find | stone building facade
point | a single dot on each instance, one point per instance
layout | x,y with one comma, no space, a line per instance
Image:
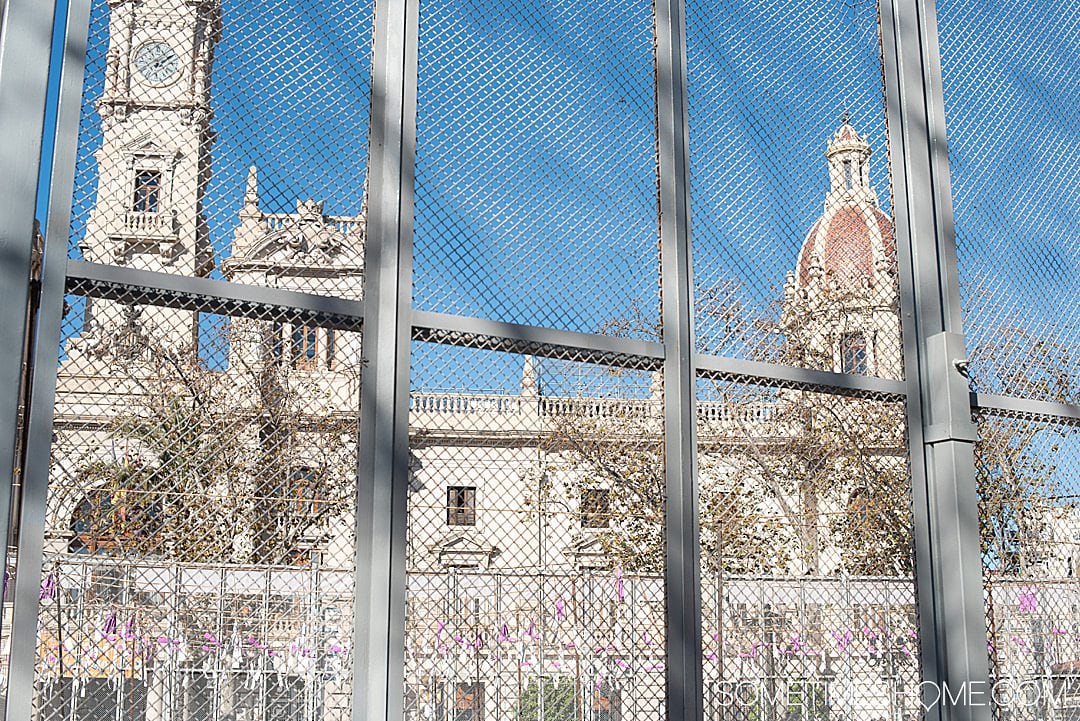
230,598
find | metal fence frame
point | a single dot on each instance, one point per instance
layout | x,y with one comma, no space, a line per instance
939,404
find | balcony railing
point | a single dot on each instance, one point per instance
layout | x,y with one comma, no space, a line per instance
162,223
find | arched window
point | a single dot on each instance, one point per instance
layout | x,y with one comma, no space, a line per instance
106,523
849,175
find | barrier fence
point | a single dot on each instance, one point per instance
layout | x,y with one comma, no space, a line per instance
539,361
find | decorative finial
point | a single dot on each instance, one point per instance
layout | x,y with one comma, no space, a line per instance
251,192
530,380
845,118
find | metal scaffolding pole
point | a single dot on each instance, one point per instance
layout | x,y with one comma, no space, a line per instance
25,45
32,512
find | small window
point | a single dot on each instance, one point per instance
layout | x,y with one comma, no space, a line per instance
273,344
147,198
595,508
305,352
853,354
461,506
469,701
849,175
861,509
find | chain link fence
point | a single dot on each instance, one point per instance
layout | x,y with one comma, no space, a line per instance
807,554
790,184
207,146
535,552
201,533
1009,74
536,168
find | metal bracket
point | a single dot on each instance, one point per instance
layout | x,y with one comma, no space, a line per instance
949,397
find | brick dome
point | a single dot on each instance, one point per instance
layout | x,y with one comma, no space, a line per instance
846,243
851,244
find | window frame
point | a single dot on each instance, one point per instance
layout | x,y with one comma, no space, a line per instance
850,344
304,347
146,197
594,508
461,505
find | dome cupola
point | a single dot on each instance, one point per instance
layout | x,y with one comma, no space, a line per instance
851,245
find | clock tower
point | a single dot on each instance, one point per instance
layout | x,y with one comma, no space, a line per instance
154,161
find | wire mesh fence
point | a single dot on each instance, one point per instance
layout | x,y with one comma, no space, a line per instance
790,185
535,551
208,146
1026,470
1014,153
199,542
807,555
536,167
200,525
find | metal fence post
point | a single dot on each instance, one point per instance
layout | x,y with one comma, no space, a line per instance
941,432
383,448
25,45
685,691
43,360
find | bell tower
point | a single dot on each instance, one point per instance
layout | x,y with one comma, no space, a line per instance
154,161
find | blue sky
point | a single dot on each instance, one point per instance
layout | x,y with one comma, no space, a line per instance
535,168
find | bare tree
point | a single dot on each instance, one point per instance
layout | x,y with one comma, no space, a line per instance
244,464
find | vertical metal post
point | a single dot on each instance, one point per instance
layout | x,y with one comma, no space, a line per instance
383,449
32,512
25,45
682,572
941,432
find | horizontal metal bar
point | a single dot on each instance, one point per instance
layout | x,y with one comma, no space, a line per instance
211,296
1065,413
759,373
535,340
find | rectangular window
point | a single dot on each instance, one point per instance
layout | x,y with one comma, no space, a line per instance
461,506
853,355
595,508
304,492
147,198
273,344
849,176
305,352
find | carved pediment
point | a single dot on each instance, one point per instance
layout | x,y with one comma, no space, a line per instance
307,237
464,550
147,145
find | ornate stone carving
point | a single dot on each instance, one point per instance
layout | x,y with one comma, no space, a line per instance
305,236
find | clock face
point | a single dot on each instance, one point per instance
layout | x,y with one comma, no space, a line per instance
157,62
